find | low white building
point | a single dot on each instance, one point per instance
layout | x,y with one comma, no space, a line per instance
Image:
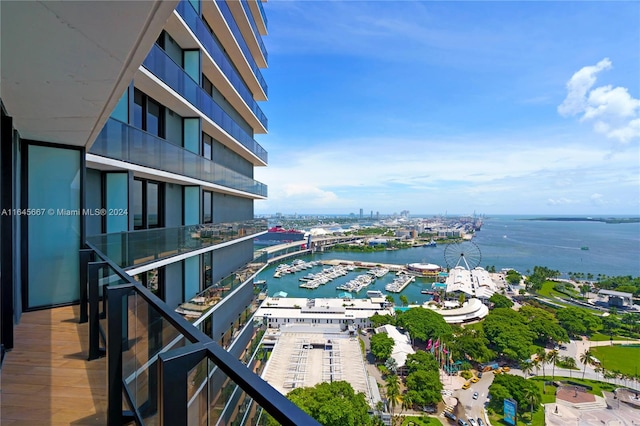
475,283
471,310
401,344
276,312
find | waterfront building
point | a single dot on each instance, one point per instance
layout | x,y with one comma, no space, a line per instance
349,313
475,283
128,152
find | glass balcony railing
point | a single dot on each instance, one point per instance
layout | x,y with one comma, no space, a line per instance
121,141
135,248
199,307
163,67
228,16
194,22
254,27
167,372
264,15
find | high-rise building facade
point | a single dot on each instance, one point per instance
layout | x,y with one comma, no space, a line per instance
128,143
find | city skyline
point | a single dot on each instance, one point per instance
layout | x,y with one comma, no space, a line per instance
493,107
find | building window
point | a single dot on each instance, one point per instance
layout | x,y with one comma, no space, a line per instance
207,207
148,114
147,204
207,146
207,269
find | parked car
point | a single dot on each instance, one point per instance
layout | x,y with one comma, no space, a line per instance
479,374
475,395
480,422
450,416
429,409
462,423
472,422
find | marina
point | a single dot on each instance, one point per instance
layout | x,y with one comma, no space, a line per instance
399,283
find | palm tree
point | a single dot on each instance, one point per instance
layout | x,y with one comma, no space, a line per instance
542,357
536,364
393,391
552,357
586,357
407,402
526,367
532,396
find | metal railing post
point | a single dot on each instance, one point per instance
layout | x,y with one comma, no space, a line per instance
86,256
173,369
115,415
95,351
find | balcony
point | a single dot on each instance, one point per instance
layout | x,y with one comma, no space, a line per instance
243,14
199,29
161,369
136,248
123,142
233,25
163,67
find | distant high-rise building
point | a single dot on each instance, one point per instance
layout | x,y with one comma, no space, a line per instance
361,214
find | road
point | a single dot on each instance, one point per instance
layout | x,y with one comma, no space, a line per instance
469,407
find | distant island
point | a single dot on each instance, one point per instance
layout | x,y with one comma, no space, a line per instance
590,219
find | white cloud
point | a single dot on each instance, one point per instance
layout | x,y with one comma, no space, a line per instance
560,201
613,111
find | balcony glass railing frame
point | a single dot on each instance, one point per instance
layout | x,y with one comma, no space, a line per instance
164,397
262,12
254,27
134,249
233,26
162,66
193,20
121,141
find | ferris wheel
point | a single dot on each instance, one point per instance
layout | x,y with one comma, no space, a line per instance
466,254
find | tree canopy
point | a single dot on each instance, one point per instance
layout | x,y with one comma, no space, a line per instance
424,387
333,404
509,333
424,324
511,386
421,360
577,321
544,324
381,346
471,342
500,301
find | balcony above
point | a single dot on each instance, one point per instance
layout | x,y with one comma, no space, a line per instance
133,250
121,141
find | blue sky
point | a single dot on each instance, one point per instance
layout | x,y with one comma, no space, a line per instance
432,107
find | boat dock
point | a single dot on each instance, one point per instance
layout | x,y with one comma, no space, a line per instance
399,283
364,265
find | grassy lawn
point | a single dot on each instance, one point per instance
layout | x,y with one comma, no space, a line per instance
421,421
596,387
522,420
624,359
599,337
547,290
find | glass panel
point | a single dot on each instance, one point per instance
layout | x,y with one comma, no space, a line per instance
117,199
192,63
53,183
153,201
138,101
191,277
154,121
127,143
207,151
169,72
191,205
137,204
192,134
128,249
256,33
206,207
208,272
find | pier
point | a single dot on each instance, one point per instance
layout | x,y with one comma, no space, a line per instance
365,265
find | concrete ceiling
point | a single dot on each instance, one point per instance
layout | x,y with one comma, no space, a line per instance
65,64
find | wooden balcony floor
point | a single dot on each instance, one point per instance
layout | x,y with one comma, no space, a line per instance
46,379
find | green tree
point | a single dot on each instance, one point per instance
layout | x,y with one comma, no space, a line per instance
500,301
553,357
333,404
378,320
421,360
424,324
544,325
586,357
470,342
404,300
532,396
508,333
577,321
427,386
393,391
513,277
381,346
